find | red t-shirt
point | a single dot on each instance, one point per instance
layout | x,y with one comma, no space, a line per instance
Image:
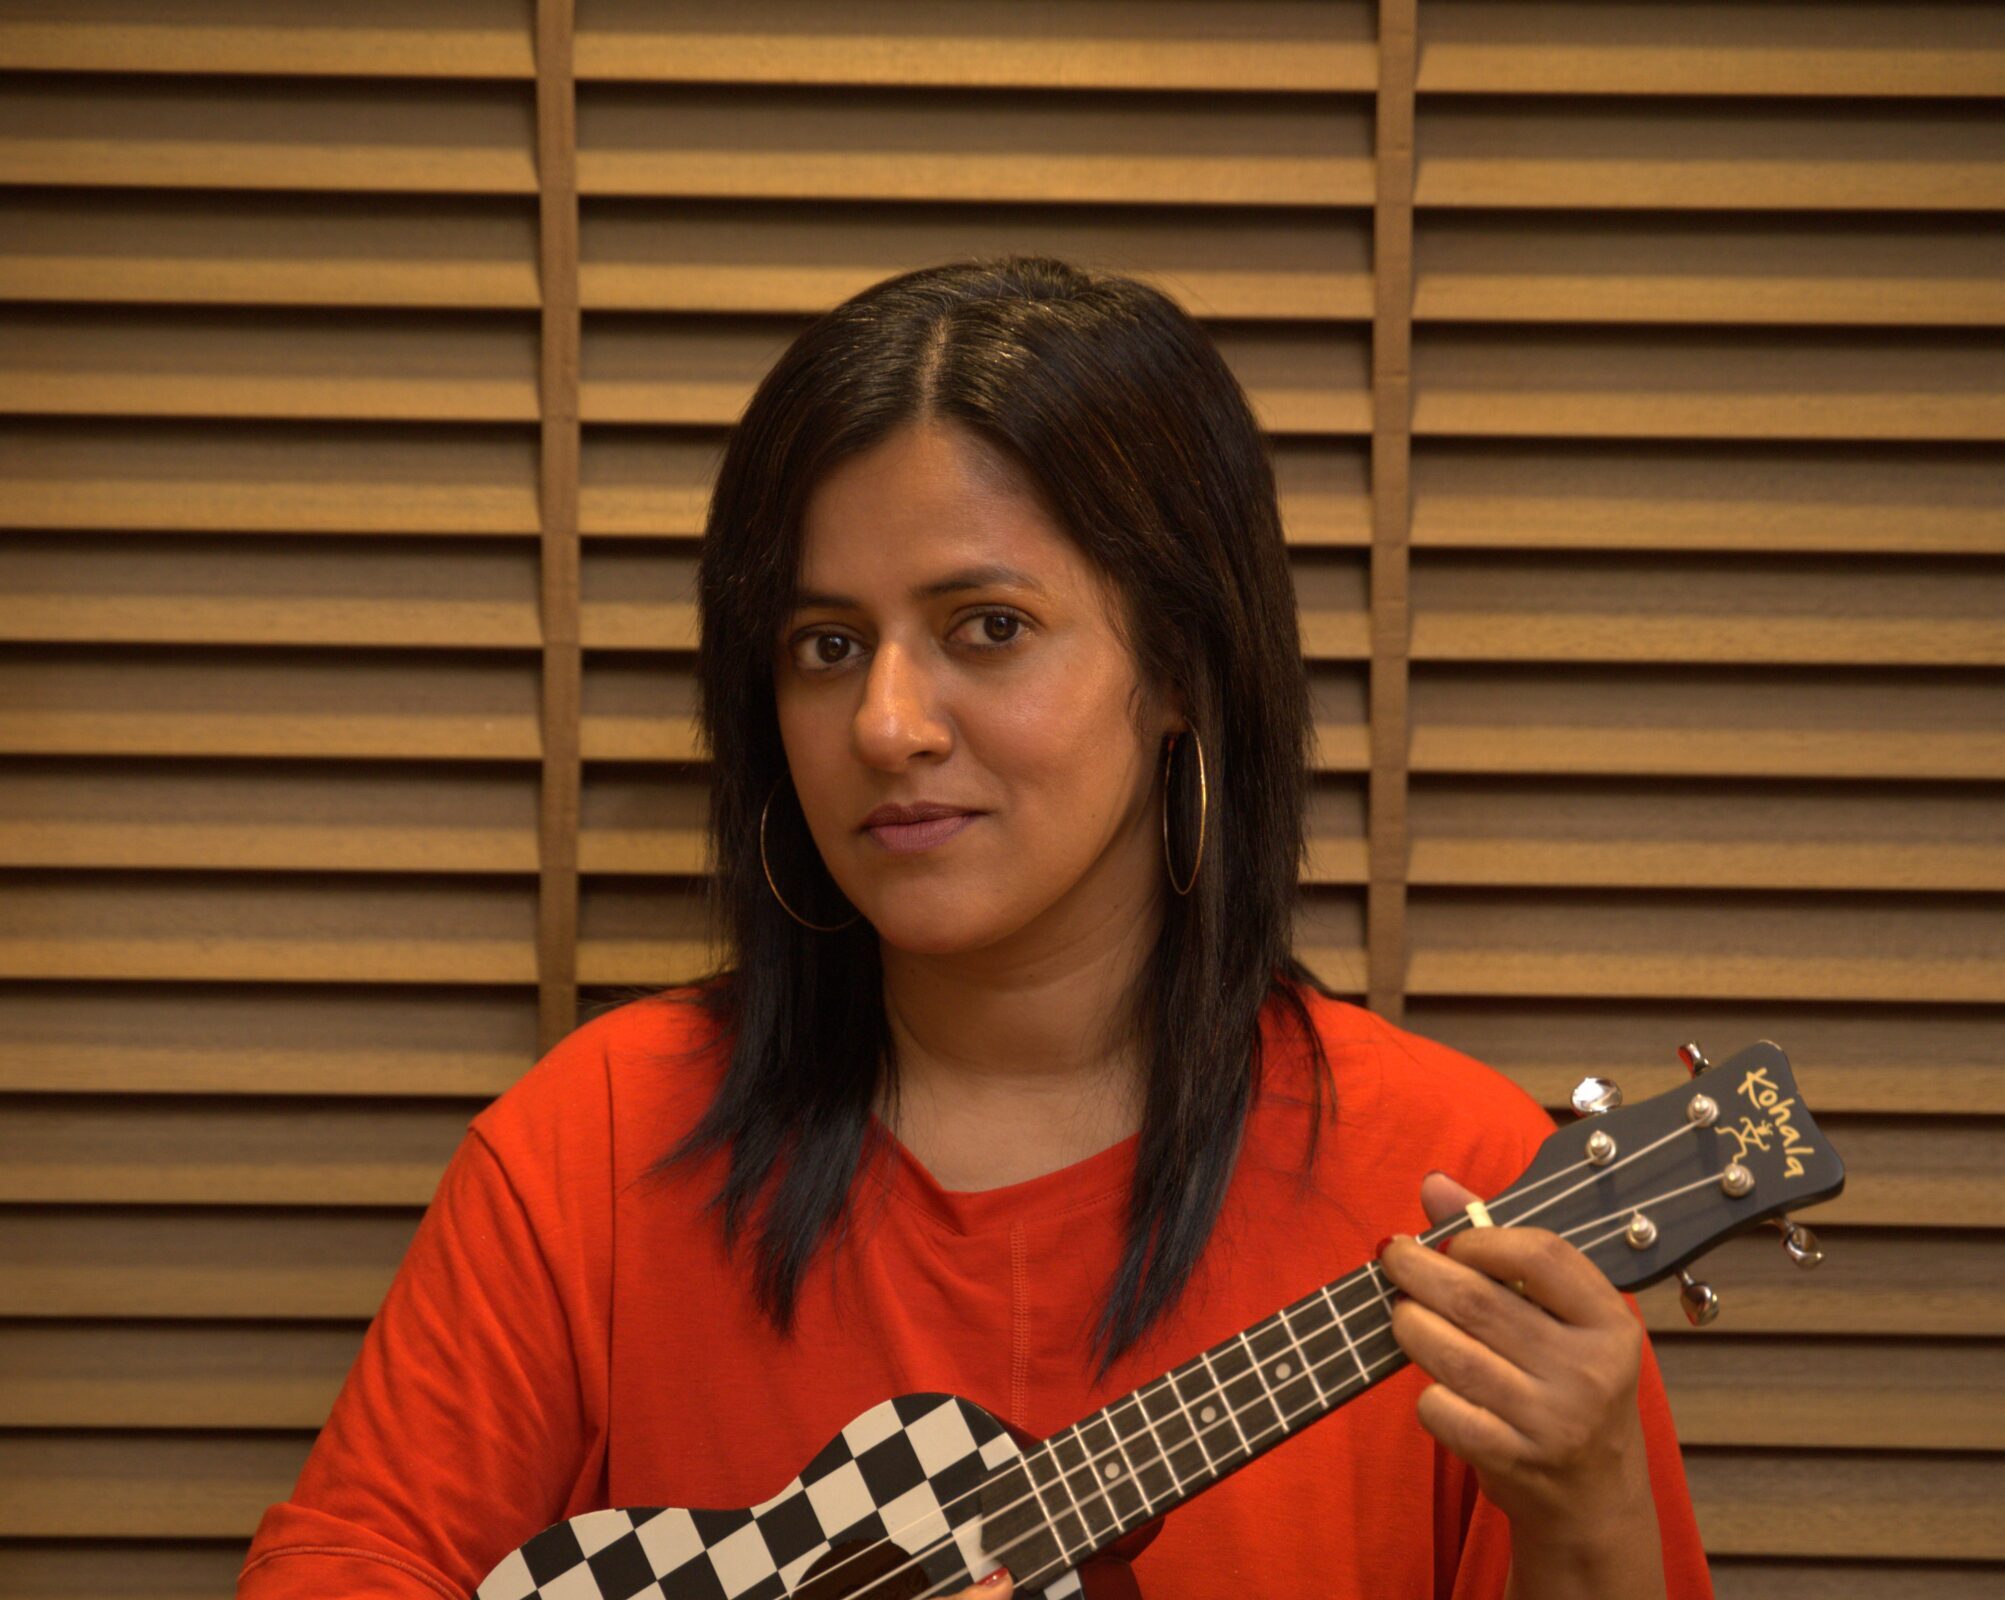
563,1338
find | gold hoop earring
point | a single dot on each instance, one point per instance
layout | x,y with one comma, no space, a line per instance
1203,812
834,927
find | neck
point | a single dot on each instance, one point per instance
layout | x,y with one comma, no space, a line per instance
1149,1451
1043,1018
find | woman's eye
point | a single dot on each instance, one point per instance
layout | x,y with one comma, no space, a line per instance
995,628
819,651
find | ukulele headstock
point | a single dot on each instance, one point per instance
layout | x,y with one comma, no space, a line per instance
1641,1190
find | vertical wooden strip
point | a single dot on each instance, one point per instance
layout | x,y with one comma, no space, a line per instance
1391,464
557,813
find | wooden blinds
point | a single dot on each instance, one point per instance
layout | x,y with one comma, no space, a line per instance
1635,375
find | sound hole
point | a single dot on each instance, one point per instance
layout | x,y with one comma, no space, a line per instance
853,1566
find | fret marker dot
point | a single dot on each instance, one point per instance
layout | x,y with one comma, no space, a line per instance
1113,1469
1282,1370
1208,1414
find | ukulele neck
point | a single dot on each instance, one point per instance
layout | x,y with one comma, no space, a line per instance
1149,1451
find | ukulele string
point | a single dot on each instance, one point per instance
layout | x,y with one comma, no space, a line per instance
1231,1416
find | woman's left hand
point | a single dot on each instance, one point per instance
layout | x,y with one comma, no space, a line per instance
1537,1392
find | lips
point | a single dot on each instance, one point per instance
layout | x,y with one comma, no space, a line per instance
905,829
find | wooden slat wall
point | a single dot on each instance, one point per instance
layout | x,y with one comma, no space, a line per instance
1633,378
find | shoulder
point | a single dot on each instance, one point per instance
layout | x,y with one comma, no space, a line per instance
652,1062
1393,1086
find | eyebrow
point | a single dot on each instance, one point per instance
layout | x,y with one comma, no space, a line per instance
953,583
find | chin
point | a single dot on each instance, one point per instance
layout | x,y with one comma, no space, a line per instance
927,931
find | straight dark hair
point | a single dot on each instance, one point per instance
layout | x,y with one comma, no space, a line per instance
1115,407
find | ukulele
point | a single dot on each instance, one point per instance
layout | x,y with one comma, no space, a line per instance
925,1493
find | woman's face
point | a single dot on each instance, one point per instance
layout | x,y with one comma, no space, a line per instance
950,648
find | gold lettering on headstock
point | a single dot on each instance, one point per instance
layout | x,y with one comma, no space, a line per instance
1776,1122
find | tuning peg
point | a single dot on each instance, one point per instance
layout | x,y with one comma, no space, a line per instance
1592,1096
1800,1243
1700,1303
1694,1059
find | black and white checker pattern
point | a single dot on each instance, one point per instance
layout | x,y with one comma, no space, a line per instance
904,1470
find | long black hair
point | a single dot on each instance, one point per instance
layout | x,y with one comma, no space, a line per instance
1116,406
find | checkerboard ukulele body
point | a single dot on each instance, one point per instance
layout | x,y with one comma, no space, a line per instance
924,1494
894,1506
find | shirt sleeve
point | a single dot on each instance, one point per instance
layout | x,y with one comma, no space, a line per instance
463,1427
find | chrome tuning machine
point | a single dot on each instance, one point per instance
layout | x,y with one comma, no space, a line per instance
1592,1096
1701,1304
1694,1059
1799,1242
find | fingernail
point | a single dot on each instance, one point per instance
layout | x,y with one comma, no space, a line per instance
1434,1172
1379,1253
995,1579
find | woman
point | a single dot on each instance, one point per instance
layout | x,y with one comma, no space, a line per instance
1014,1089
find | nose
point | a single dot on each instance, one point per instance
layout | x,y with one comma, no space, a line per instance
900,716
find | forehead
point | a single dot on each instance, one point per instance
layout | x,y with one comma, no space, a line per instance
930,499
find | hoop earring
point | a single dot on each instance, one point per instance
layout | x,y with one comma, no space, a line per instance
1203,813
834,927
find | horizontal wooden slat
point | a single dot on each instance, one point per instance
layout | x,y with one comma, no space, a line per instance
1753,1578
1829,1504
1338,704
1660,945
1848,1057
1722,495
267,478
271,816
270,927
117,1261
277,363
128,1569
362,38
810,144
1267,44
1709,723
253,1375
188,589
269,1039
1519,832
1893,47
217,133
1908,1394
1334,824
1873,1281
684,371
1717,268
59,700
1710,155
1554,607
149,1485
226,1150
644,482
166,247
711,257
1679,383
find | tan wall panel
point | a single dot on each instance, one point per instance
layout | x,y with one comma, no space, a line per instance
167,247
1079,44
269,1039
798,144
223,134
137,1261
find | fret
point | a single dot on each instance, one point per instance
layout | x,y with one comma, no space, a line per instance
1197,1392
1177,1432
1083,1481
1350,1344
1074,1537
1116,1473
1244,1393
1016,1524
1366,1311
1145,1452
1292,1391
1222,1404
1285,1318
